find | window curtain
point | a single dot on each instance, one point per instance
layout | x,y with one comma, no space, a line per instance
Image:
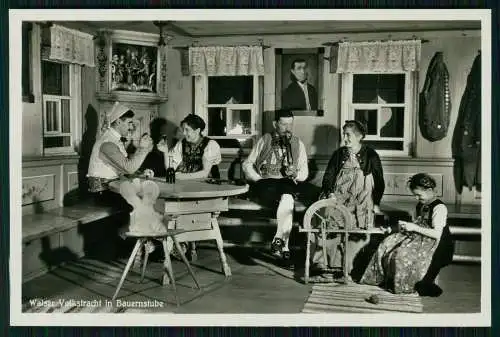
69,46
226,61
375,56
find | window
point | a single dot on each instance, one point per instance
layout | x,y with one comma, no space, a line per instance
384,104
231,106
26,63
61,107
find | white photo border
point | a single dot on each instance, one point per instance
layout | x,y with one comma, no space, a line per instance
17,318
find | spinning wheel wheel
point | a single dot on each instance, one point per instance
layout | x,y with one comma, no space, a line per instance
326,216
329,216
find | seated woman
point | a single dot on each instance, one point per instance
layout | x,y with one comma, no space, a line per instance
354,177
195,156
410,260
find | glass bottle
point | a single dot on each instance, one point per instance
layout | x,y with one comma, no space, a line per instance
170,172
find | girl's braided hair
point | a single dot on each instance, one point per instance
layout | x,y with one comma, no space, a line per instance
421,180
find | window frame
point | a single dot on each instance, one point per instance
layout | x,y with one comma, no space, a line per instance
201,107
74,115
27,60
348,111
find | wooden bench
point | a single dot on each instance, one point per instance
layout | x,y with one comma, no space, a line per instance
468,211
53,236
457,215
249,205
463,212
261,216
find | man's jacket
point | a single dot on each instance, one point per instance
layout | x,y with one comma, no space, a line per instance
466,145
435,101
293,97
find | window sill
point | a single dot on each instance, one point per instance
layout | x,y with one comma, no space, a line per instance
403,161
422,160
130,96
30,98
49,160
233,152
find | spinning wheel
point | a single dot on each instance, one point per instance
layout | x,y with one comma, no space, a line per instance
330,216
327,216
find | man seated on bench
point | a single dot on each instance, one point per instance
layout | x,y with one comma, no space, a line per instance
109,158
275,167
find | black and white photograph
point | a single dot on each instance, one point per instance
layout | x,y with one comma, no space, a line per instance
277,169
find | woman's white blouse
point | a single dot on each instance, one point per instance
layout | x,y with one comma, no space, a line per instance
211,154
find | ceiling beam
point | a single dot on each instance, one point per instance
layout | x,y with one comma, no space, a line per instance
176,29
360,31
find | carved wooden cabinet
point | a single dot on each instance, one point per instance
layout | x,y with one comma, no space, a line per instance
131,68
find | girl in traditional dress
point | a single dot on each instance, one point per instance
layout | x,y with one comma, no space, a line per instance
410,260
195,156
355,178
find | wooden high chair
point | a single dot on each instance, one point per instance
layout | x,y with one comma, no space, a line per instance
142,240
146,225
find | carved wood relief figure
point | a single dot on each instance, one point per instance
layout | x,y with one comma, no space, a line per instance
133,68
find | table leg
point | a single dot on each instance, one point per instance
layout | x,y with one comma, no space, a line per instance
220,244
138,258
171,224
194,254
186,262
137,247
308,257
323,244
346,256
167,263
144,264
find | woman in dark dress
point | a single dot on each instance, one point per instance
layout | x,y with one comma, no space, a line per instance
355,178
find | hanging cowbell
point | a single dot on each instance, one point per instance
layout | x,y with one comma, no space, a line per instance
435,101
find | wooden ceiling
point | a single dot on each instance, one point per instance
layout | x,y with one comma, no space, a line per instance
230,28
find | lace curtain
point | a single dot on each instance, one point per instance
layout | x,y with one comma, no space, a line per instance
69,46
375,56
226,60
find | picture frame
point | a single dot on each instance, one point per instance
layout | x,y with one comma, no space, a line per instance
133,67
148,81
289,94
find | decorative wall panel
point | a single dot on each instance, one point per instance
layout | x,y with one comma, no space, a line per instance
38,189
396,183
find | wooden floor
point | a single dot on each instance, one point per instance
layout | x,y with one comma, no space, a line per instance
256,286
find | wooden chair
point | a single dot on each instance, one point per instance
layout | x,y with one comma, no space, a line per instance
142,240
146,225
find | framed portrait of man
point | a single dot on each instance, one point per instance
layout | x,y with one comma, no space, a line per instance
299,79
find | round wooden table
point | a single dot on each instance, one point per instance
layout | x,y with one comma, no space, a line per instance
194,205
